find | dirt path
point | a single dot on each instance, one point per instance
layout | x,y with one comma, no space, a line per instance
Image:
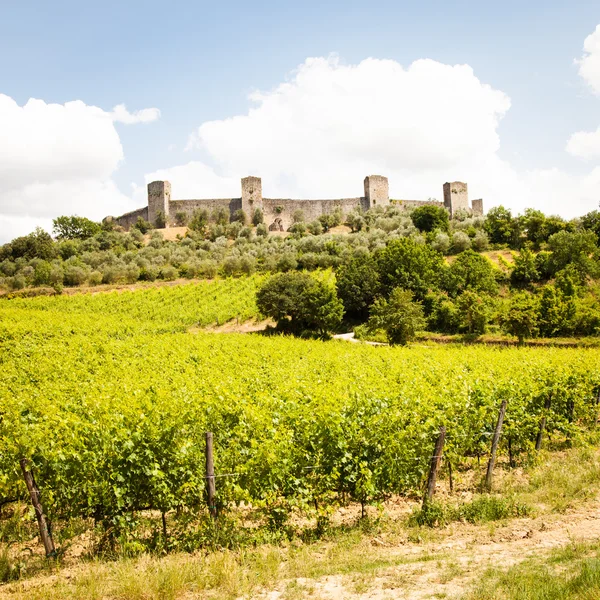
448,567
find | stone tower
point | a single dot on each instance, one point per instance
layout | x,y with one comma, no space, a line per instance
377,191
251,195
456,196
477,207
159,197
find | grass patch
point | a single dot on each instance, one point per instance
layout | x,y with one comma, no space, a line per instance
482,509
572,572
561,480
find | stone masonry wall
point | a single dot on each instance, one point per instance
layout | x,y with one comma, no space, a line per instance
211,204
128,220
278,213
408,204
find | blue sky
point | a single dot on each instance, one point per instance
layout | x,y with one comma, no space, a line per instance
198,62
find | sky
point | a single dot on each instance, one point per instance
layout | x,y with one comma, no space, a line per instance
98,99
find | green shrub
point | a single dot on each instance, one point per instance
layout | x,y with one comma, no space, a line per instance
399,316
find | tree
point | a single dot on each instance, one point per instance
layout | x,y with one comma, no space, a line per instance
406,264
257,217
470,271
74,228
474,312
556,313
181,218
430,217
399,316
38,244
357,285
524,270
240,216
591,222
199,220
299,303
142,225
521,317
442,313
355,221
220,216
499,225
460,242
576,248
160,222
533,223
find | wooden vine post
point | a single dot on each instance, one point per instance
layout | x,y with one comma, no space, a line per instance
434,466
495,440
210,476
540,435
34,493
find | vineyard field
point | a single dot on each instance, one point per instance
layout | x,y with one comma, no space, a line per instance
110,396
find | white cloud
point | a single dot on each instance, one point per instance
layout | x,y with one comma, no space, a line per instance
319,133
57,159
585,144
120,114
589,63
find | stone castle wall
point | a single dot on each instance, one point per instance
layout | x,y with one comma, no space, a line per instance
278,213
128,220
189,206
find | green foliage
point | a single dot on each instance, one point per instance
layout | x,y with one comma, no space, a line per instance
470,271
127,444
399,316
430,217
38,244
160,222
240,216
499,225
142,225
315,228
521,319
474,312
591,222
355,221
409,265
460,242
482,509
533,223
556,312
331,219
199,220
358,285
181,218
257,217
299,303
74,228
220,216
524,270
442,313
577,248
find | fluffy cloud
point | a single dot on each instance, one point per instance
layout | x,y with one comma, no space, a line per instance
589,64
321,131
585,144
57,159
120,114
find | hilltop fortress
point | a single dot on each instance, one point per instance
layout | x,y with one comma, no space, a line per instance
278,212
